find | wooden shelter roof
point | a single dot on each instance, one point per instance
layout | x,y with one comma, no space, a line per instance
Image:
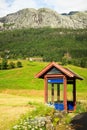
65,71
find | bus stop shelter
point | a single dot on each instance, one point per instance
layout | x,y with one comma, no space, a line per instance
55,74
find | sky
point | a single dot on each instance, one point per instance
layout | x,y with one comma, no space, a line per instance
61,6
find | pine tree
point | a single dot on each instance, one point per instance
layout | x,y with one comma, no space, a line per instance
4,64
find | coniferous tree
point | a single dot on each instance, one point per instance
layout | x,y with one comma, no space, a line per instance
4,64
19,64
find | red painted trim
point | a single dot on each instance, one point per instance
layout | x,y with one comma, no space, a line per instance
45,90
53,76
65,93
66,72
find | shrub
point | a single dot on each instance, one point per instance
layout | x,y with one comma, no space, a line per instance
19,64
4,64
11,65
81,107
0,66
83,63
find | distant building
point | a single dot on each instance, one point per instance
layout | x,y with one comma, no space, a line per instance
35,59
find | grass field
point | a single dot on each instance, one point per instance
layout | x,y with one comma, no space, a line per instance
21,78
18,87
11,109
14,107
24,78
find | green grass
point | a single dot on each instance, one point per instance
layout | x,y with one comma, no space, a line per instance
19,90
24,78
21,78
81,84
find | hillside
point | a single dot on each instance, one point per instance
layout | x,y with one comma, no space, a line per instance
50,44
24,78
20,93
44,17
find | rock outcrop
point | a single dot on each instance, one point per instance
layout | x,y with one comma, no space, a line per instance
44,17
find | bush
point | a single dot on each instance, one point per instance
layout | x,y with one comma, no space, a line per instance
83,63
11,65
0,66
19,64
4,64
81,107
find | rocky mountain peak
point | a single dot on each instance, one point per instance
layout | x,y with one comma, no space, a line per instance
44,17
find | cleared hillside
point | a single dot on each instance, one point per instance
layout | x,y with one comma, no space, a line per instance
24,78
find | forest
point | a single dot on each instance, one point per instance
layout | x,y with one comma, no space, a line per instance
67,46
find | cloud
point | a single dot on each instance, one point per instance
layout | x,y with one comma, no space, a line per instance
3,7
67,5
2,4
10,6
61,6
20,4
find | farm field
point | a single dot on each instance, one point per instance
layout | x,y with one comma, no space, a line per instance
18,87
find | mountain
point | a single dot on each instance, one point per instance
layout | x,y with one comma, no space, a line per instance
44,17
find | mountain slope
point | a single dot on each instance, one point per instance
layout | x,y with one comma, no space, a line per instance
48,43
44,17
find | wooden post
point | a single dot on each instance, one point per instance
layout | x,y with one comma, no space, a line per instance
52,93
58,92
74,93
65,93
45,90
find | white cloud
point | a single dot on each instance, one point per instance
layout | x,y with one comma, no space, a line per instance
67,5
3,7
20,4
61,6
2,4
7,7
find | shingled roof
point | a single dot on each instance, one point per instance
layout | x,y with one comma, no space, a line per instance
63,70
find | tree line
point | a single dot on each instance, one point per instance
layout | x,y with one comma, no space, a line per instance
49,43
